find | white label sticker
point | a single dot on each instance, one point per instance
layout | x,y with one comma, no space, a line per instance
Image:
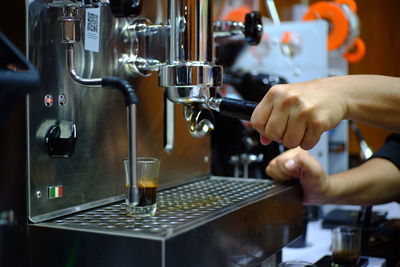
92,33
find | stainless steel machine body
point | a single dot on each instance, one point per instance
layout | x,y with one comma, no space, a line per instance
212,222
96,167
77,140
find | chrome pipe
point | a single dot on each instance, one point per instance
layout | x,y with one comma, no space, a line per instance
71,35
72,73
189,71
169,130
191,36
71,25
132,189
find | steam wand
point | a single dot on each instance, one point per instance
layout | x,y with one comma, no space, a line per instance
71,27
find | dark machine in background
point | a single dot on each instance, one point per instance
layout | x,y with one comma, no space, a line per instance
236,148
18,77
235,144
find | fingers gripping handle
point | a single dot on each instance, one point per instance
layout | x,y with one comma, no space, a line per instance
235,108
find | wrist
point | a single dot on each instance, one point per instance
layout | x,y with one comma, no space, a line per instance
321,192
342,95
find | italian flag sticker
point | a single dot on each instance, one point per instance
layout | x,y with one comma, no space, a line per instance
55,191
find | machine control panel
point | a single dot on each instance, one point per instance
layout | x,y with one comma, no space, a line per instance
61,139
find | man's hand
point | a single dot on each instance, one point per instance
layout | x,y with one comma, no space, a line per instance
298,164
297,114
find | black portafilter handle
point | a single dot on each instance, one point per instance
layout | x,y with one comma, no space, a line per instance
235,108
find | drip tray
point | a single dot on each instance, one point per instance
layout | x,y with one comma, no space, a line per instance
177,208
218,219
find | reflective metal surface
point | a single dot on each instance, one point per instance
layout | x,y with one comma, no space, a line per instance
189,75
210,222
200,120
177,208
224,29
95,82
187,95
132,190
169,125
191,52
94,174
191,35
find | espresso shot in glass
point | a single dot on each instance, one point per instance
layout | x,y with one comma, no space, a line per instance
346,245
147,184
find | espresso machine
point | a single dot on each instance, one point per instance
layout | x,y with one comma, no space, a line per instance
75,130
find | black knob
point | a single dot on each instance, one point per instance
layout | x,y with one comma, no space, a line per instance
253,28
125,8
61,139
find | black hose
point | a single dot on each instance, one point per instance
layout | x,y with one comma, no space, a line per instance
124,86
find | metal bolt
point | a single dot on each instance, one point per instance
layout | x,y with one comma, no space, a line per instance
62,100
48,100
38,194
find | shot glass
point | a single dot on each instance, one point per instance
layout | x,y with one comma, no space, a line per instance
296,264
147,183
346,245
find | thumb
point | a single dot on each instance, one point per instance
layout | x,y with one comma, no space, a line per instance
293,166
303,165
290,164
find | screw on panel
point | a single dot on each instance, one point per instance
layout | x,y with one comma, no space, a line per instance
38,194
62,100
48,100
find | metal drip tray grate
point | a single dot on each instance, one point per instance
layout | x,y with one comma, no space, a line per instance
177,208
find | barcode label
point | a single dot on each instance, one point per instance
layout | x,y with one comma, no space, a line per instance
92,34
93,22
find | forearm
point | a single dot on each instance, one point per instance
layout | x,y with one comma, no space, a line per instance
371,99
374,182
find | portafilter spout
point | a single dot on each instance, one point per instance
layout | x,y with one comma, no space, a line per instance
190,71
230,107
201,120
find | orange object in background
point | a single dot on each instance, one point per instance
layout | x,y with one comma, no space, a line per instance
339,27
356,52
335,16
237,14
286,37
380,28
